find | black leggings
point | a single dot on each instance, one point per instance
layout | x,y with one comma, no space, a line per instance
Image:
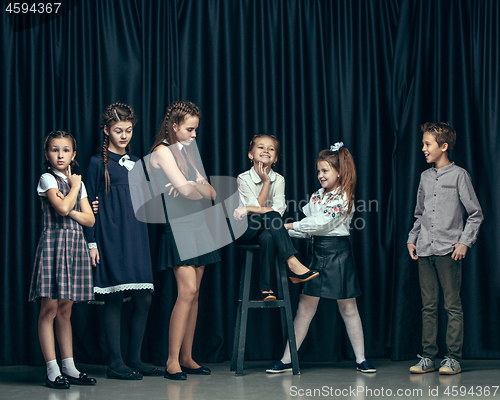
141,300
268,231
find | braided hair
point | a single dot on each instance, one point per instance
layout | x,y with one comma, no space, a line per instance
59,135
113,114
176,114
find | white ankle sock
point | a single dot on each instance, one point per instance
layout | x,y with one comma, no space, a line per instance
53,370
68,367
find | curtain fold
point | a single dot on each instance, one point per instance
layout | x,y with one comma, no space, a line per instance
311,72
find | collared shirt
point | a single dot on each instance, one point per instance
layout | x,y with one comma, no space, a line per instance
444,196
48,181
250,185
325,215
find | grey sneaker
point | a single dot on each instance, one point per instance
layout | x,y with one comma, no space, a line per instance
424,365
450,366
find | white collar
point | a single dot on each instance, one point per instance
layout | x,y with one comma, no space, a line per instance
256,178
180,146
60,174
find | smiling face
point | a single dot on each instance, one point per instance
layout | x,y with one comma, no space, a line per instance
264,151
328,177
434,153
120,135
185,132
60,153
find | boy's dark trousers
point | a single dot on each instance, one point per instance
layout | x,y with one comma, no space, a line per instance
268,231
434,271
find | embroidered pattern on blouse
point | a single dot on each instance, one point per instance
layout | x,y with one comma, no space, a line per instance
332,201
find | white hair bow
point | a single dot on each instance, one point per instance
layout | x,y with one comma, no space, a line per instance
126,162
337,146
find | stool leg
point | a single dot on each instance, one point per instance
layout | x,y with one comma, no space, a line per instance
289,319
243,319
280,284
237,326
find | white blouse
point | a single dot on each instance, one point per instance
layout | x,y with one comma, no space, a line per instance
325,215
48,181
250,185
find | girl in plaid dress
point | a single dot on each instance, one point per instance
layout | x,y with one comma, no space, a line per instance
62,272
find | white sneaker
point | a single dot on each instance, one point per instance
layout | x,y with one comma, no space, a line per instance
424,365
450,366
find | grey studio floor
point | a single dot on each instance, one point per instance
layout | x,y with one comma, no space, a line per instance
479,379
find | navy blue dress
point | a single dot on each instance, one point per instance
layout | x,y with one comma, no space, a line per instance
122,240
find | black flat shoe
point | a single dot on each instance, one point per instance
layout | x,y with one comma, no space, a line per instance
153,371
178,376
59,383
196,371
268,296
83,379
132,376
311,274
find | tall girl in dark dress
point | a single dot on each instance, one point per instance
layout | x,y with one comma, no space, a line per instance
172,164
119,245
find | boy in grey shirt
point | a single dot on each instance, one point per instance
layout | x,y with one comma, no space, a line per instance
439,241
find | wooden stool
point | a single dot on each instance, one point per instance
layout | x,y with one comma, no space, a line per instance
244,304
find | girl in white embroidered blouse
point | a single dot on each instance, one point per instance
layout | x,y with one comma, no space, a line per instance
328,216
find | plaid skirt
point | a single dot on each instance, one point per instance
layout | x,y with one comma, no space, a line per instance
63,268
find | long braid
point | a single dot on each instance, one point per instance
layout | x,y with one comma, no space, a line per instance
176,114
113,114
105,159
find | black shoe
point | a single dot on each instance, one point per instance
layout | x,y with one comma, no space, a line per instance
178,376
127,376
268,296
153,371
365,367
196,371
83,379
279,367
59,383
311,274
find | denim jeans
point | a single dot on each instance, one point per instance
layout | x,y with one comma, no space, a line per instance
434,271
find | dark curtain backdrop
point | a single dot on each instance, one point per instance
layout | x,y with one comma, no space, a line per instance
367,73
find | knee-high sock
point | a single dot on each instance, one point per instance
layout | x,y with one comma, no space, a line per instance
141,300
305,313
350,314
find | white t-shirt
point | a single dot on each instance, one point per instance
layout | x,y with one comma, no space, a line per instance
48,181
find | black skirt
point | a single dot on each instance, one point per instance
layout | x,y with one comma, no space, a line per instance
332,257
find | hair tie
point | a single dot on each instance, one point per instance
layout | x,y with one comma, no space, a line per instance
337,146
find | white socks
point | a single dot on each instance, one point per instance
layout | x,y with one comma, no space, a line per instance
53,370
305,313
68,367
